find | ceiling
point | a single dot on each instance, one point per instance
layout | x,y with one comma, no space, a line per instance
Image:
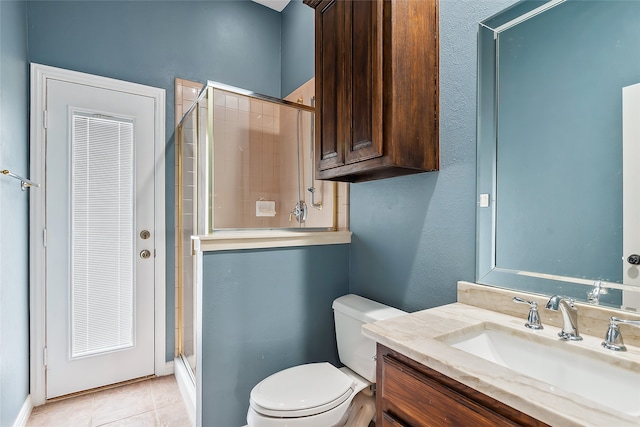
274,4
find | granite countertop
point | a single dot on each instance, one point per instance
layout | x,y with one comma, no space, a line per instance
416,336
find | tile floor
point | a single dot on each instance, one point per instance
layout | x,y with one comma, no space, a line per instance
151,403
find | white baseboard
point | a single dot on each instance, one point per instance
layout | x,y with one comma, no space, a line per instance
168,369
25,411
187,388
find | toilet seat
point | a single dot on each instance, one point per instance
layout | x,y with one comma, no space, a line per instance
301,391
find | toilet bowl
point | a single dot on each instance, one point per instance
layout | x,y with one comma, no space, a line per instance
312,395
319,394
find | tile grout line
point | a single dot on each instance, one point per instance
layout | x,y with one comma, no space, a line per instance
126,418
148,387
155,409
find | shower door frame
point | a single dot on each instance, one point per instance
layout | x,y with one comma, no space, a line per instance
203,174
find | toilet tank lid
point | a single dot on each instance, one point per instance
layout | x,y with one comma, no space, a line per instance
364,309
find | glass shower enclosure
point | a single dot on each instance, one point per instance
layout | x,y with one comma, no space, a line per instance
244,162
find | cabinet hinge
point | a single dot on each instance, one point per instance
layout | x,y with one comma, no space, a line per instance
45,119
44,238
45,357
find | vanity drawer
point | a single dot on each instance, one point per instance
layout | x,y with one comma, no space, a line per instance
412,395
390,421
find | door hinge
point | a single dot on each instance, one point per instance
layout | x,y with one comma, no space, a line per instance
45,119
44,237
45,357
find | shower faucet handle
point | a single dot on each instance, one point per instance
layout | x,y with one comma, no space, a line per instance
299,211
533,321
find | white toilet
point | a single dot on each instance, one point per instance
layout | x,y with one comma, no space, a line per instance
319,394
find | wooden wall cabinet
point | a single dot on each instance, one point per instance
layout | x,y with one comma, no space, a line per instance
410,394
376,88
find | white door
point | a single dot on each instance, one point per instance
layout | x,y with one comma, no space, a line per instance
630,193
100,234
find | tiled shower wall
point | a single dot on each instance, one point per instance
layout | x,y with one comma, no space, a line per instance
247,149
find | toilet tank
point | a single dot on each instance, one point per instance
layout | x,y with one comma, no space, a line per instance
356,351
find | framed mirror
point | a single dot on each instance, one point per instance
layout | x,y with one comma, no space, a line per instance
550,148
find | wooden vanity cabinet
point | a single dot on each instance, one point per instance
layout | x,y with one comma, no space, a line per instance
410,394
376,88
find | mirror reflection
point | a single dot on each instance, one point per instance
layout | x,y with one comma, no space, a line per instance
550,149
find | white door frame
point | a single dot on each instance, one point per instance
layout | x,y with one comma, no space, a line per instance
39,75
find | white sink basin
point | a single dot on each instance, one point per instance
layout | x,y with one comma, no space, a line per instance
562,365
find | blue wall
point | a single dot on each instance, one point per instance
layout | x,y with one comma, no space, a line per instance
14,212
298,46
152,43
265,311
414,236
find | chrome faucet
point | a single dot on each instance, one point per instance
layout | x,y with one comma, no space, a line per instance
299,212
533,321
613,339
569,316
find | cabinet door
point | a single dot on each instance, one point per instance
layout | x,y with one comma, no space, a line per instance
331,73
364,27
376,88
420,401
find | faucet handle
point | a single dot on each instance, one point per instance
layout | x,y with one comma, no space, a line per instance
533,321
613,338
524,301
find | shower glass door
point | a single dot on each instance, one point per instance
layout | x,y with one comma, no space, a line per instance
191,138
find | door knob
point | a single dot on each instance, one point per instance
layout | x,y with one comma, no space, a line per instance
145,254
634,259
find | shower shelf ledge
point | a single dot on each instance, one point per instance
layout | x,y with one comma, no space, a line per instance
235,240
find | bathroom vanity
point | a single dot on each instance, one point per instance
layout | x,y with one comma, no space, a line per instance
410,393
426,378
